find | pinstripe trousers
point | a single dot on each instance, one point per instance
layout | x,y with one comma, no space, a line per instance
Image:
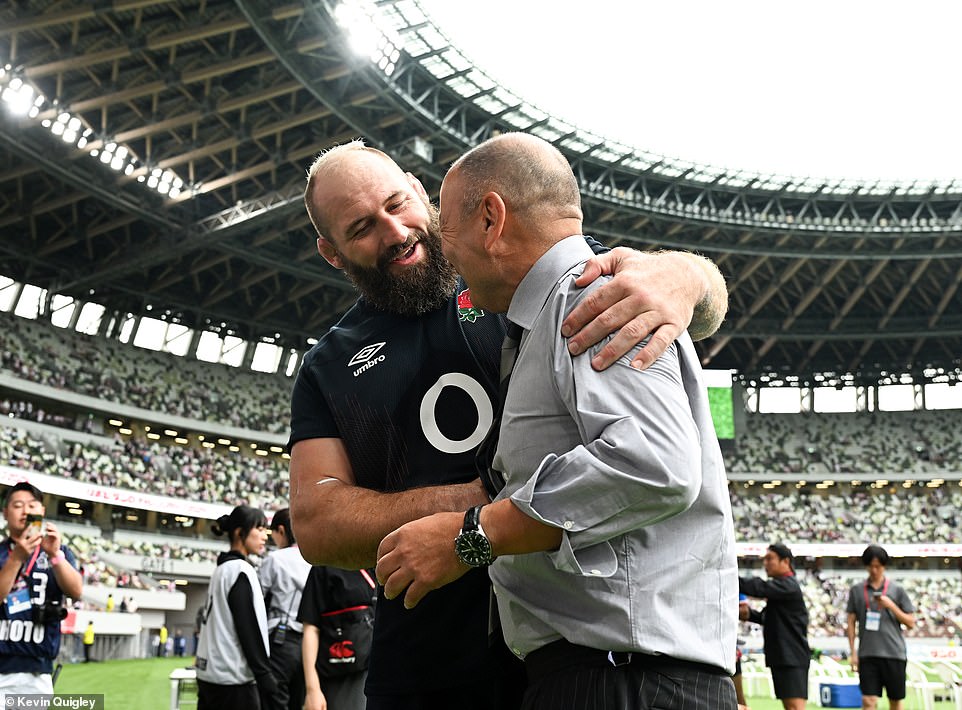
630,687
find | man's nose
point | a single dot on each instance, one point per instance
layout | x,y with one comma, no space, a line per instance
394,231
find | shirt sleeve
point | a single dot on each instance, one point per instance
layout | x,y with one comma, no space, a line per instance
850,606
903,602
69,556
265,575
311,416
775,588
240,600
312,605
639,463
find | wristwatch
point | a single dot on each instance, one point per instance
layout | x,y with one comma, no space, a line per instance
472,545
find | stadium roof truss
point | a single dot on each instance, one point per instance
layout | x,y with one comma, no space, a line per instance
155,163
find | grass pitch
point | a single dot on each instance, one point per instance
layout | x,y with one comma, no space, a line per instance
143,684
136,684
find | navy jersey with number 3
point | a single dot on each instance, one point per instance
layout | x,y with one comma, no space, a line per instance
26,647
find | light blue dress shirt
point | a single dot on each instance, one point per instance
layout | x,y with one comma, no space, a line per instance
627,464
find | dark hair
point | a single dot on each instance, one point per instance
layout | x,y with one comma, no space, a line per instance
282,518
875,552
23,486
244,517
782,551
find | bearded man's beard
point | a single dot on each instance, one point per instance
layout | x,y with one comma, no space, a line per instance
416,289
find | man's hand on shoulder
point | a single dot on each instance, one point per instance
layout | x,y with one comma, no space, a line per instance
651,294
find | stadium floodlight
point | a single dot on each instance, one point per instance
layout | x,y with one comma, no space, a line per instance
19,97
368,34
23,99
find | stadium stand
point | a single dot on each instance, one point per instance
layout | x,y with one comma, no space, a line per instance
112,371
136,464
923,441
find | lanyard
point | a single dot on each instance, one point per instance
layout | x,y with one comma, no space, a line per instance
885,588
23,574
367,578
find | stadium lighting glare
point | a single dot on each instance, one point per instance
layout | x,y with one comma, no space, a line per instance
125,431
18,96
369,34
24,99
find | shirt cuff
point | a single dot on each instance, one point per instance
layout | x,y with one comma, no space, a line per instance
598,560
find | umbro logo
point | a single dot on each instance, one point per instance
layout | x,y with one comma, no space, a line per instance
367,355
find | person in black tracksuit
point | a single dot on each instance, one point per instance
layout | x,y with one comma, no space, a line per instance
785,625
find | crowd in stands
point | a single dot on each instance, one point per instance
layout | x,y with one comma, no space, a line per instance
846,513
925,441
98,572
843,513
19,409
160,382
135,464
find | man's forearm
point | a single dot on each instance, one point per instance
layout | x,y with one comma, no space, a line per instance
309,645
341,525
711,309
850,633
907,620
8,575
512,532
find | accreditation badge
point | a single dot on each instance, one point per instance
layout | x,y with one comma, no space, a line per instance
872,620
18,601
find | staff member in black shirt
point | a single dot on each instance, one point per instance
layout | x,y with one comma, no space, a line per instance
785,622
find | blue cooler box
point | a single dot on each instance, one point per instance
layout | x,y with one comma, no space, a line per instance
840,695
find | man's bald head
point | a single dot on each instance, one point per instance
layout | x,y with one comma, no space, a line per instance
531,175
503,205
328,165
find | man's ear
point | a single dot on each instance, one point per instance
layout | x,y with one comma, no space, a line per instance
327,250
493,215
417,186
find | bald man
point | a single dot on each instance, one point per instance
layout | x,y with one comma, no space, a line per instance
611,546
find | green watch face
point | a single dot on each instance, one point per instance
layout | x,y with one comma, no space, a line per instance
473,549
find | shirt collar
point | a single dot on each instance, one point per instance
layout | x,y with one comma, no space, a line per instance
540,281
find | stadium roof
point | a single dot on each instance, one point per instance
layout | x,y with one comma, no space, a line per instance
152,159
798,87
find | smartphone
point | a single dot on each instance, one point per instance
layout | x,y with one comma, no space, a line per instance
34,524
